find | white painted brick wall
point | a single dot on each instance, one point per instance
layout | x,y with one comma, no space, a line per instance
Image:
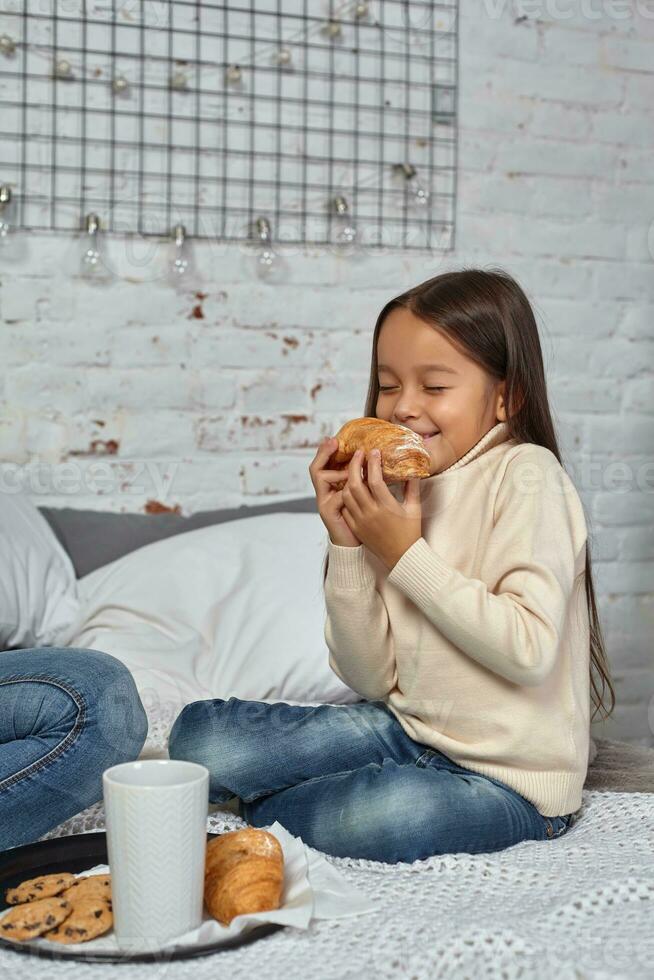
134,392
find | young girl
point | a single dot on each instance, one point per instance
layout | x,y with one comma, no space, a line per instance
460,607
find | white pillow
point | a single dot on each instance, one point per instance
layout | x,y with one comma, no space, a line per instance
38,588
236,609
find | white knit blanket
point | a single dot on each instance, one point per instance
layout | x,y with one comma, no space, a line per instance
578,906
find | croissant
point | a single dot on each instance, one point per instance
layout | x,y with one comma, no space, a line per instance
403,453
243,872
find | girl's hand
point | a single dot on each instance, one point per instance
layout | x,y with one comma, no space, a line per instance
384,525
330,500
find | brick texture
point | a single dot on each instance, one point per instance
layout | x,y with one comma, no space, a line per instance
217,393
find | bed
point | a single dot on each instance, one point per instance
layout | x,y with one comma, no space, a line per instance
579,906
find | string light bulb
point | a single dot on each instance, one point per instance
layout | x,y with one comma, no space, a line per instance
120,85
283,57
5,206
92,265
7,45
361,10
344,232
179,81
419,194
233,75
63,69
180,263
266,258
332,29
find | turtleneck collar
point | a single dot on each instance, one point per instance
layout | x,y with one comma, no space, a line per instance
494,437
431,486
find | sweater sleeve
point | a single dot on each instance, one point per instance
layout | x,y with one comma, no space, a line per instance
357,630
511,621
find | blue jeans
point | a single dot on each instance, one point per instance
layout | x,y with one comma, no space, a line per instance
66,715
349,781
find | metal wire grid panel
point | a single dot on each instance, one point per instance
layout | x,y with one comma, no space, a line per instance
135,110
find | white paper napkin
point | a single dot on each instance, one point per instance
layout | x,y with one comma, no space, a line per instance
313,889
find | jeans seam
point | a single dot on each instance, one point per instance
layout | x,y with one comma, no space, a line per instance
68,739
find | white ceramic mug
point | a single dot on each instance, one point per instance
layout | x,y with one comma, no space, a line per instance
156,818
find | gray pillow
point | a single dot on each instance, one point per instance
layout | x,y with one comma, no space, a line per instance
93,538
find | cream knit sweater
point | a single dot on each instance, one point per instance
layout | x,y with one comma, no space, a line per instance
478,638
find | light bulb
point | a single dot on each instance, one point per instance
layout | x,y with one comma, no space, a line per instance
233,75
180,263
419,195
283,57
346,235
120,85
7,45
332,29
63,69
266,258
179,81
92,266
344,232
5,208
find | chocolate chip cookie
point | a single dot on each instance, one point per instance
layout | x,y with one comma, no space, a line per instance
90,917
43,887
92,885
34,918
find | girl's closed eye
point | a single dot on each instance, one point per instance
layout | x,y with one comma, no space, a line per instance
427,388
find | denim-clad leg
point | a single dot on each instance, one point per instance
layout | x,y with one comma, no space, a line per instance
349,781
66,715
252,748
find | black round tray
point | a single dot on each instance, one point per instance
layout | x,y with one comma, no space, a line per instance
80,852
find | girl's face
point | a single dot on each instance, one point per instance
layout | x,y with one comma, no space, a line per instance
456,398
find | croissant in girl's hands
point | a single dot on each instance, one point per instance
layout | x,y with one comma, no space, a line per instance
403,453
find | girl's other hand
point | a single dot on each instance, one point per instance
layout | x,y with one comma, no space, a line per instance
330,499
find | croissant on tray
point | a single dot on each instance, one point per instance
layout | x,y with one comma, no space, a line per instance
403,452
243,872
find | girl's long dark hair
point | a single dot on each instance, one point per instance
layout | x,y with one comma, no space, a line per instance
488,316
